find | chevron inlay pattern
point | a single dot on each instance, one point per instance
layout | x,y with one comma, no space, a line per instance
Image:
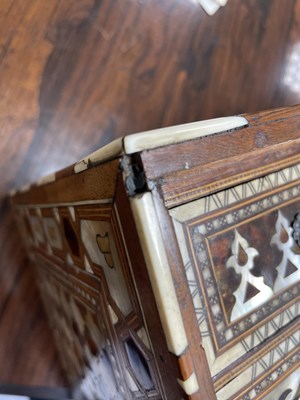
246,190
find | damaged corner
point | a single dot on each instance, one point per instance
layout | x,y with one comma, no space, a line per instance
134,176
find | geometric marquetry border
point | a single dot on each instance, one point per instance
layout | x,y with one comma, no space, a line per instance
272,361
249,189
246,344
275,375
78,275
223,334
193,223
49,275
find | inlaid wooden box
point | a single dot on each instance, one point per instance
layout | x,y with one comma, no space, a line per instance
169,261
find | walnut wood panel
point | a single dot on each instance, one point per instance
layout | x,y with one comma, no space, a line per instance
75,75
190,169
217,176
273,129
95,184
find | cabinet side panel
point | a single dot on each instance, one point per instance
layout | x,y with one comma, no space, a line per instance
72,230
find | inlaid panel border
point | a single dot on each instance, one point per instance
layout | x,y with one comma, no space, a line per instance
278,373
265,357
279,189
195,232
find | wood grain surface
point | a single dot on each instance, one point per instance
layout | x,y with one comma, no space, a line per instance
205,165
75,75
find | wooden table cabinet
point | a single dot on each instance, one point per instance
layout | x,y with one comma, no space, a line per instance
169,261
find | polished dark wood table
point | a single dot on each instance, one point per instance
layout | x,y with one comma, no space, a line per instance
75,75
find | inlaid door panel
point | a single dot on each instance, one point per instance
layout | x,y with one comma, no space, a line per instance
242,264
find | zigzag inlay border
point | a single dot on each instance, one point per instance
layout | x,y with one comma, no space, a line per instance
251,188
238,193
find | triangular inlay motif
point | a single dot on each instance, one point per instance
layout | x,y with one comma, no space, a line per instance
251,291
290,269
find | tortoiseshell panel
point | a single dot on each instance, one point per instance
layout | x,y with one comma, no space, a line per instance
243,269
